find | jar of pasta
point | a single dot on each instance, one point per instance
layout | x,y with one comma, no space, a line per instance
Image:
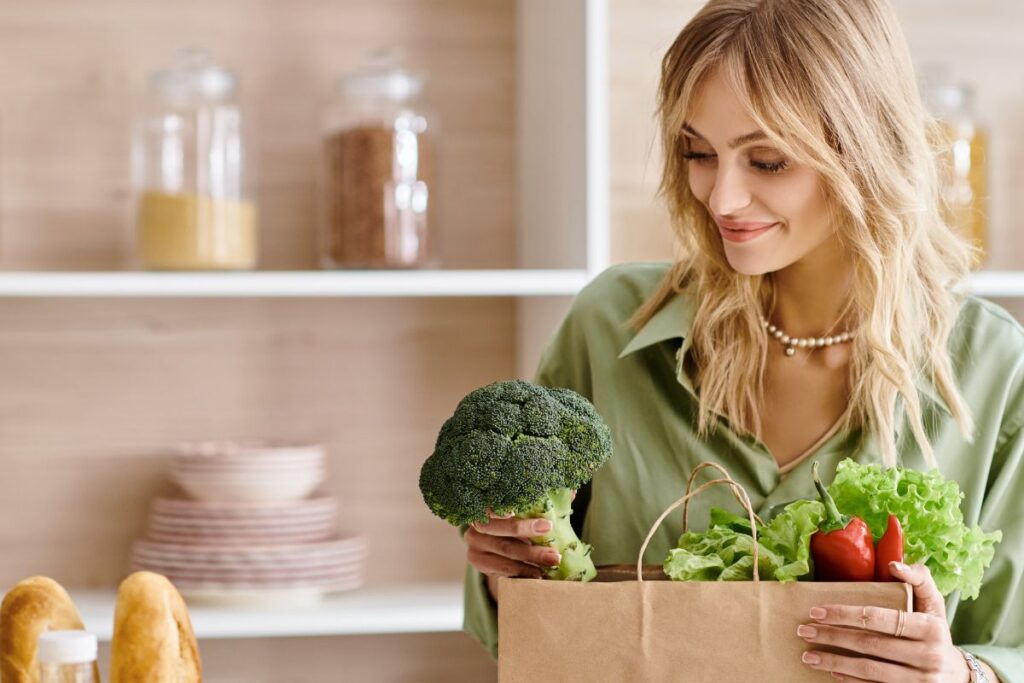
378,169
192,171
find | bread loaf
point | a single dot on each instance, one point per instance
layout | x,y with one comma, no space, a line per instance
35,605
153,638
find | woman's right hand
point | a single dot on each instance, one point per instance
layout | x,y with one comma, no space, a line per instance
501,547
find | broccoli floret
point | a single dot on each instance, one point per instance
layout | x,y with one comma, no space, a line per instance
516,447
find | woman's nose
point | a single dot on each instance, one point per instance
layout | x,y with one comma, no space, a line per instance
729,195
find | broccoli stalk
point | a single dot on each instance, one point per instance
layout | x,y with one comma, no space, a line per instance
516,447
576,564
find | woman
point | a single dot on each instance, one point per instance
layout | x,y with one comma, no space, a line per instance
813,317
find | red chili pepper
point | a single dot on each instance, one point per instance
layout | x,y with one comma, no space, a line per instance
842,548
889,549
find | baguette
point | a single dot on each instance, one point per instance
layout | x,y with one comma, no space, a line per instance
153,638
32,607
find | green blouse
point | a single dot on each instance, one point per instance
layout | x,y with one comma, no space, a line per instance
638,383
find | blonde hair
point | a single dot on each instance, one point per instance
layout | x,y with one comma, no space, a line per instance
832,85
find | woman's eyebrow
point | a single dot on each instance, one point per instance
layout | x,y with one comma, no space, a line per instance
741,140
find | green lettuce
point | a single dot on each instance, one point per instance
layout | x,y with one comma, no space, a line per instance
725,552
928,508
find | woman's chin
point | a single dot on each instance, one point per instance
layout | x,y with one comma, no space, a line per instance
750,266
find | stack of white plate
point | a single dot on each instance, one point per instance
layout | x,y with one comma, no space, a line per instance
258,471
252,530
182,521
293,574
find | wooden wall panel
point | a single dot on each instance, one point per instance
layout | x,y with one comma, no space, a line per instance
640,34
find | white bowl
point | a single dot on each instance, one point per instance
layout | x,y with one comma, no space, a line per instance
253,451
273,489
246,477
243,466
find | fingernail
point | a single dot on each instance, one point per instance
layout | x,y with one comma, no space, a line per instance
899,566
818,613
811,658
542,526
554,559
806,631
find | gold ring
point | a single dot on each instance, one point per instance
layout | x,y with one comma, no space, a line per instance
901,624
864,616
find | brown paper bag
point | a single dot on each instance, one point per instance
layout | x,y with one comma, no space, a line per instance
626,627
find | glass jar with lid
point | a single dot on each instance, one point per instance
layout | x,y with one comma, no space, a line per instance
192,171
378,170
67,657
962,154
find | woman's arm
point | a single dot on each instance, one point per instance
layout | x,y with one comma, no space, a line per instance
997,615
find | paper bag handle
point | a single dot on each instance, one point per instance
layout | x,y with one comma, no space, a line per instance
744,500
689,487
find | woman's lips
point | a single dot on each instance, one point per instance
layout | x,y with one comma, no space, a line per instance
746,233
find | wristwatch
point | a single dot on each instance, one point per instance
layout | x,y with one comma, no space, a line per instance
977,673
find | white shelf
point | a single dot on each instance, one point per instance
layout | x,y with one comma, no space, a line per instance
354,283
998,283
425,608
418,283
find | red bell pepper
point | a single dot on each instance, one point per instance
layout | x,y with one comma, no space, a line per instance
842,548
889,549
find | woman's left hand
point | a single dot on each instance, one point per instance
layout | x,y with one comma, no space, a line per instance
925,652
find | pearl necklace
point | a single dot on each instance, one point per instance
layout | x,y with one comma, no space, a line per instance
793,343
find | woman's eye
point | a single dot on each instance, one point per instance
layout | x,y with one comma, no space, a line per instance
763,166
699,157
770,166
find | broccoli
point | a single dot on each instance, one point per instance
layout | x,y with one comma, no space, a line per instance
516,447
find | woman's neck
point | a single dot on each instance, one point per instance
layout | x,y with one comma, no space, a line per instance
812,296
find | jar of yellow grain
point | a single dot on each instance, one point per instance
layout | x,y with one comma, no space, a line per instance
192,171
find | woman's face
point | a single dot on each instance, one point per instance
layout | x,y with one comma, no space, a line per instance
771,211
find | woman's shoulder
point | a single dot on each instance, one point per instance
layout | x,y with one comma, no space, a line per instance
983,324
620,289
601,311
596,327
987,352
